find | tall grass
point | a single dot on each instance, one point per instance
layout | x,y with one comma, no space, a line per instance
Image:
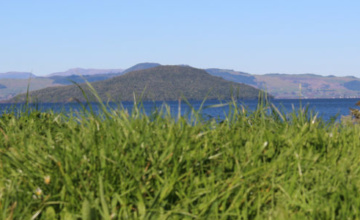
120,165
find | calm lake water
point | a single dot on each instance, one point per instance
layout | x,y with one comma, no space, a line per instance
326,108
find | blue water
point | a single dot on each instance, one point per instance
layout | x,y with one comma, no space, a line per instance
326,108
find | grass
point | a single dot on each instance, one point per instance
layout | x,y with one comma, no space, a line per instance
120,165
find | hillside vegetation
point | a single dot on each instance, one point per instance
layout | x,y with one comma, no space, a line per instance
158,83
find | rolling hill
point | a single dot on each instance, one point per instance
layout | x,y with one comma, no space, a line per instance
157,83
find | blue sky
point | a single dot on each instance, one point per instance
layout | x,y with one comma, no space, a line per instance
259,37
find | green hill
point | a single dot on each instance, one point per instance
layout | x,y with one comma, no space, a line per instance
158,83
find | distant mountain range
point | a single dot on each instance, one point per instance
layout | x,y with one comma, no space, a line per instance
288,86
235,76
81,71
157,83
16,75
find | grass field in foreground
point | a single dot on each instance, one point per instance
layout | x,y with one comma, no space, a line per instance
116,165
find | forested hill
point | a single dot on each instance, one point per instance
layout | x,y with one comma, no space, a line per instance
158,83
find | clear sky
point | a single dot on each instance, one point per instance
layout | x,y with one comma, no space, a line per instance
307,36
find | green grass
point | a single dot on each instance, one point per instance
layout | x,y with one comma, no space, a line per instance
119,165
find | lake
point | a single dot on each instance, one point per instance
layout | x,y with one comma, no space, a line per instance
326,108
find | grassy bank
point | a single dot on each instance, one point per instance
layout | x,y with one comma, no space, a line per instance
119,165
